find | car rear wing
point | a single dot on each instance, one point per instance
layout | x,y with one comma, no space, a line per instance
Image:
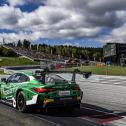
44,72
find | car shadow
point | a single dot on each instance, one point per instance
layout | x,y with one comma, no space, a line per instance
86,111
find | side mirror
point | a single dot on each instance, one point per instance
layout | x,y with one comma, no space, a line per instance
86,75
4,80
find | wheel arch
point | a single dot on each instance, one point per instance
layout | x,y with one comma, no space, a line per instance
17,93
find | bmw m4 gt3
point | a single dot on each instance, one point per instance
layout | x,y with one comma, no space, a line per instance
43,89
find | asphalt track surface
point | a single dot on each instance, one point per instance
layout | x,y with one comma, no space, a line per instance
103,103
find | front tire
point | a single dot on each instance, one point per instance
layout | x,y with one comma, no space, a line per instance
21,102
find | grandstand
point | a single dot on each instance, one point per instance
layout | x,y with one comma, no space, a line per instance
37,55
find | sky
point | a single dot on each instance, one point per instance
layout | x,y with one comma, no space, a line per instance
90,23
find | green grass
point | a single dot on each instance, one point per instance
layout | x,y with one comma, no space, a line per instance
16,61
110,70
1,72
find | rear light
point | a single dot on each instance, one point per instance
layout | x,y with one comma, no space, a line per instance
44,90
40,90
51,89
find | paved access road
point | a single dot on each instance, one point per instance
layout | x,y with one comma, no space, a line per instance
103,103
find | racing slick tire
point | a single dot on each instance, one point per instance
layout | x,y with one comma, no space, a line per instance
78,106
21,102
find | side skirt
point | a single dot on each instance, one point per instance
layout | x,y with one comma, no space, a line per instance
8,102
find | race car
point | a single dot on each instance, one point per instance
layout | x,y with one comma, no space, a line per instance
42,88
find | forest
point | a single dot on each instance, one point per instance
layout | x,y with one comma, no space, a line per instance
88,53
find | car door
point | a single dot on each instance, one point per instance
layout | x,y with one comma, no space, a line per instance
10,86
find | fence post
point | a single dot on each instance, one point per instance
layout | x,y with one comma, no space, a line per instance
106,68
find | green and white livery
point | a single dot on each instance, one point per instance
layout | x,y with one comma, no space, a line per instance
41,89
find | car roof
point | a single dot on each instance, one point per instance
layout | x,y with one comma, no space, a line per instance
30,72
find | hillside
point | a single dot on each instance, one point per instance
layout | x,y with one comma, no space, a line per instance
16,61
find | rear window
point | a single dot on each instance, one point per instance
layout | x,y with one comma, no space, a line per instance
51,79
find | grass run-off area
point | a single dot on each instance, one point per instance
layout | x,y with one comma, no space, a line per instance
16,61
103,70
1,72
100,70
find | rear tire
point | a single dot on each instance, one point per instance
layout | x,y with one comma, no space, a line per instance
77,106
44,110
21,102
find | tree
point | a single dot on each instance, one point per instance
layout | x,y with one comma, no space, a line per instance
19,44
87,54
8,52
96,55
26,44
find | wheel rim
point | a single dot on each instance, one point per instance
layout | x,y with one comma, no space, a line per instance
20,102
